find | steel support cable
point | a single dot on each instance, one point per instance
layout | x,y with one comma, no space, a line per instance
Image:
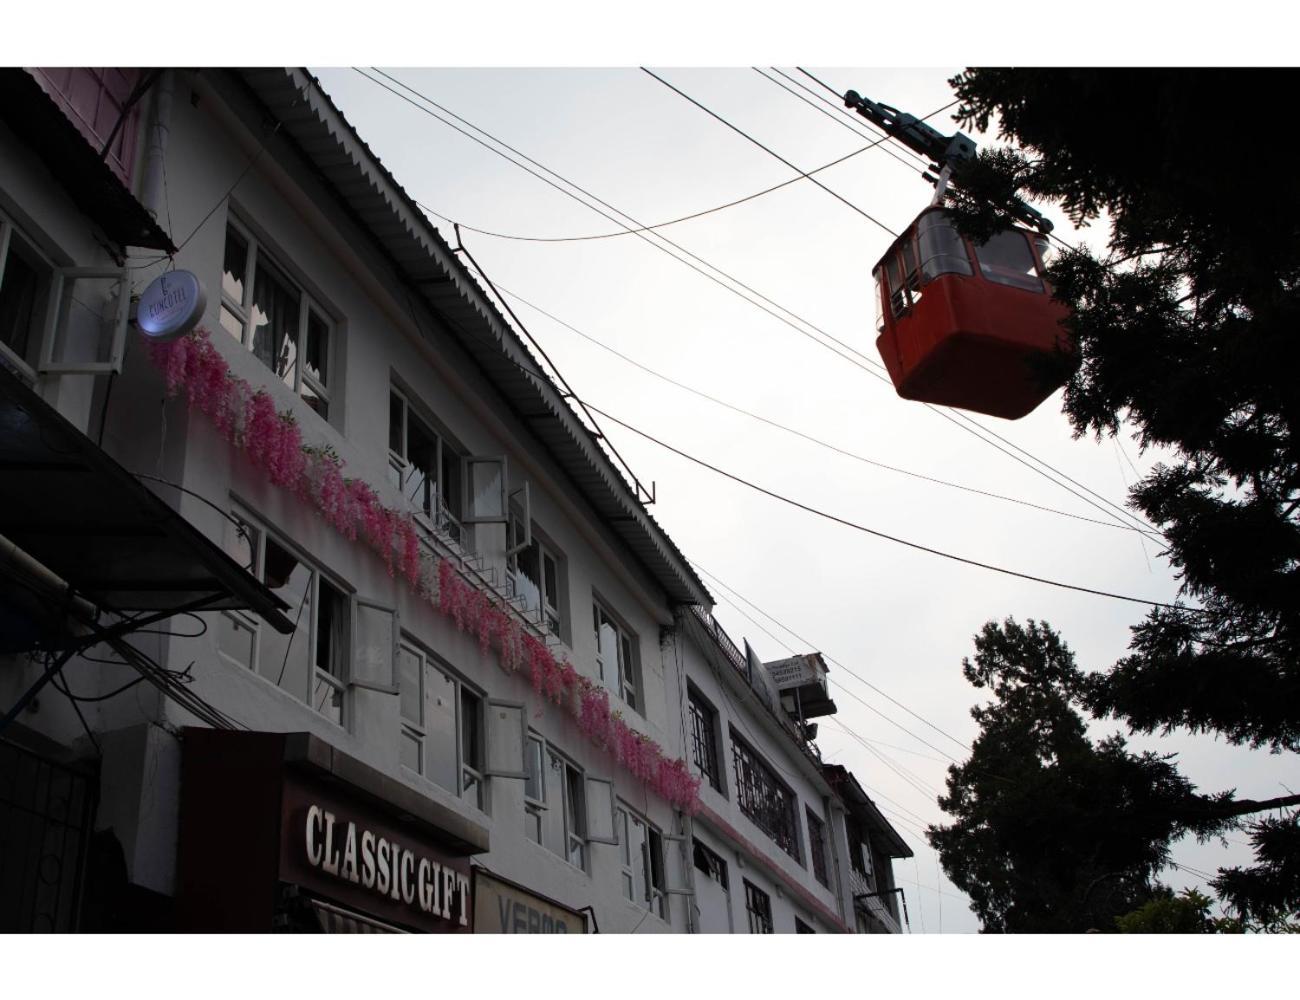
797,433
734,290
771,152
853,350
883,535
867,129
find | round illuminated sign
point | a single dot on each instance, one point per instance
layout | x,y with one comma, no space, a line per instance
171,306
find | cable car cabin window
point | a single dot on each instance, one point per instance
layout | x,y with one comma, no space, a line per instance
880,301
1007,259
897,295
911,273
941,247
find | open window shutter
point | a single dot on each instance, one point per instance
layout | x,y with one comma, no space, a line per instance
525,518
675,874
86,320
601,828
486,478
507,739
375,638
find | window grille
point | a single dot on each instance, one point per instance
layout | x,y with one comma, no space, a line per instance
759,908
764,799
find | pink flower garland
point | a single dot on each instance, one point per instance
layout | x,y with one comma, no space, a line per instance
273,442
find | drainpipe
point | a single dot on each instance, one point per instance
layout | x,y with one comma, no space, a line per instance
160,117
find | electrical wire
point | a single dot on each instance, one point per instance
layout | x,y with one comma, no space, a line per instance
880,534
851,673
801,434
869,130
871,366
741,132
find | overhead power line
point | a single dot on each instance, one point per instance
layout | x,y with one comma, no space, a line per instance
798,433
880,534
842,350
741,132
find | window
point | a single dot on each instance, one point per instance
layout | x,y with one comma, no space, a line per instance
710,863
759,908
573,809
24,295
817,846
270,314
704,749
616,660
534,788
859,853
941,246
801,928
535,574
310,663
641,850
425,468
442,726
1007,259
763,798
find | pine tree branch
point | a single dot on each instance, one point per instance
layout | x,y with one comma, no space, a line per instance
1236,807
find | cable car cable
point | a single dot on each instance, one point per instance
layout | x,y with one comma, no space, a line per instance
870,130
736,281
883,535
739,131
782,159
798,433
852,121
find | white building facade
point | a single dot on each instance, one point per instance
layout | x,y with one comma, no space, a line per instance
327,740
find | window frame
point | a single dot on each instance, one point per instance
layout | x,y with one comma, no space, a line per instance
628,677
759,793
704,723
304,384
817,846
550,610
252,623
573,814
758,908
444,515
535,806
653,896
419,730
28,362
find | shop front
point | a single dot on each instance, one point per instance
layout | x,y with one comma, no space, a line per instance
281,831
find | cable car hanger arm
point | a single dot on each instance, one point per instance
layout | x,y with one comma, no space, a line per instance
948,153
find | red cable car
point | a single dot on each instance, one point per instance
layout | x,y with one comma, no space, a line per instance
964,325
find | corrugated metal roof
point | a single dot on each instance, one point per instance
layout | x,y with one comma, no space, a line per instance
422,257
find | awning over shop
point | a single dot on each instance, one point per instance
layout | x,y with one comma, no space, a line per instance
75,510
34,118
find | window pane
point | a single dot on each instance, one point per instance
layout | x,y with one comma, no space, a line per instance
235,267
411,748
232,324
410,663
275,322
1007,259
440,728
236,638
421,459
942,250
486,484
552,586
607,644
331,630
87,318
396,428
315,359
533,825
286,659
315,400
534,784
449,485
471,733
527,577
21,295
328,699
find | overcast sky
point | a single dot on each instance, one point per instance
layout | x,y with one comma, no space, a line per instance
900,618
